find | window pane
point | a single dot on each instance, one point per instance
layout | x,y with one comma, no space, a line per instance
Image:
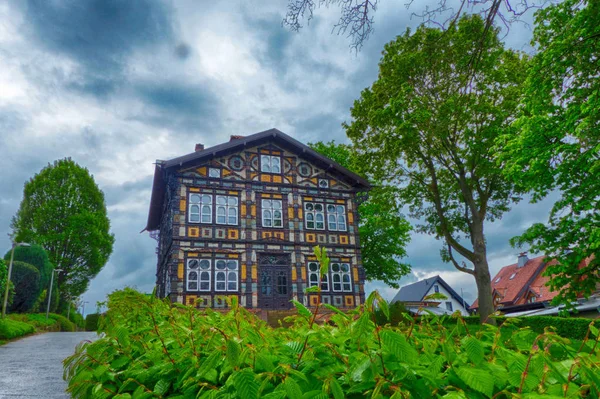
347,287
335,267
204,264
192,286
221,219
194,218
275,161
345,267
232,276
336,278
205,218
318,207
206,199
276,204
232,220
192,276
232,265
330,208
204,286
205,276
194,198
310,217
276,169
313,278
277,223
337,287
193,264
221,200
220,286
313,267
319,217
320,225
221,264
220,276
232,286
266,203
308,206
232,201
346,278
310,225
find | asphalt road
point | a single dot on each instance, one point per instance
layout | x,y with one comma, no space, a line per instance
32,367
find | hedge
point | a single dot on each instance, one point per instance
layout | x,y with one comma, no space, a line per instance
63,322
26,279
10,329
36,256
91,322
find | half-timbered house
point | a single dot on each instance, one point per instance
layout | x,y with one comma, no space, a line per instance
242,219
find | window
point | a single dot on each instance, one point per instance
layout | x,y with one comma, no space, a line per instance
340,277
226,275
214,172
512,276
200,209
498,280
227,209
314,216
270,164
336,217
313,277
436,288
198,275
272,215
323,183
449,306
532,299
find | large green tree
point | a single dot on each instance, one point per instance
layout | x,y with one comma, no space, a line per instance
558,144
384,232
63,210
427,126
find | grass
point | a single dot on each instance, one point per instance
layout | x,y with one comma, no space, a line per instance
19,325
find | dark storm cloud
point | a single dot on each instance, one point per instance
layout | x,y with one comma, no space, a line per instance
183,107
98,34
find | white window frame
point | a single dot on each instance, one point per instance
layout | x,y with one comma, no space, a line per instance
268,213
336,217
268,163
204,205
312,282
230,209
449,306
342,273
313,215
202,267
230,271
436,289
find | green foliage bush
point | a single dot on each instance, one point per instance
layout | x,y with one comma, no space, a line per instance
91,322
568,327
36,256
26,279
398,314
63,322
152,348
3,278
10,329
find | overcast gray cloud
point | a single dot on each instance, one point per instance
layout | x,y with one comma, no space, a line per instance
118,84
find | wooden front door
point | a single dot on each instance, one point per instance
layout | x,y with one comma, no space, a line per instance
274,282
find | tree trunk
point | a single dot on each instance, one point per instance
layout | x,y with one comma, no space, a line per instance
484,291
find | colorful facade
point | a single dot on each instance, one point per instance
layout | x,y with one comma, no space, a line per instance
242,219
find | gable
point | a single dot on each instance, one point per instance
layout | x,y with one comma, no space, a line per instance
245,165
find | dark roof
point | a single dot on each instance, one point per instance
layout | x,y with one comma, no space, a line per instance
416,292
232,146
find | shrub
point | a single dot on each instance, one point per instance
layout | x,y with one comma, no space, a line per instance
3,278
398,314
63,322
26,279
568,327
36,256
164,350
91,322
10,329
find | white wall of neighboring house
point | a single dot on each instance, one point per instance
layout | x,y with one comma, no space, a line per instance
455,304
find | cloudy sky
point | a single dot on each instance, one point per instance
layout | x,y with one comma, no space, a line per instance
118,84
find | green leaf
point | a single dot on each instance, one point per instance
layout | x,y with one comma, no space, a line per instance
245,384
302,310
336,389
397,345
161,387
233,352
292,389
474,349
477,379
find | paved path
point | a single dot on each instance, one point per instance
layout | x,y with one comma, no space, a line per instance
32,367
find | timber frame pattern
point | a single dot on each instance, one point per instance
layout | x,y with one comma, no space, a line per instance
206,213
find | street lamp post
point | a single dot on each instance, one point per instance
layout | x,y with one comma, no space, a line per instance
50,291
83,310
12,255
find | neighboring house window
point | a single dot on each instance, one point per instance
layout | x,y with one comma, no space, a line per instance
200,209
532,299
214,172
226,275
227,209
340,277
436,288
313,277
204,275
270,164
449,306
498,280
272,215
314,216
336,217
512,276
